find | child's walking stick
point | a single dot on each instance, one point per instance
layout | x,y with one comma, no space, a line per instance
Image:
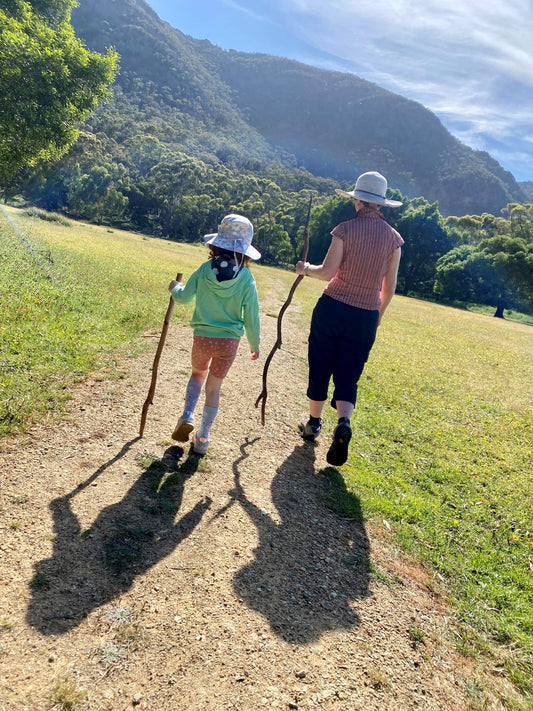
150,398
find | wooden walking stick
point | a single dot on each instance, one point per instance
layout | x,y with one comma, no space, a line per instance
264,392
150,398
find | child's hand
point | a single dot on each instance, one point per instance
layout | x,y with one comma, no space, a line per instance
174,283
255,355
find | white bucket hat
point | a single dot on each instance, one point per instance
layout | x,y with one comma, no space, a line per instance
235,233
371,187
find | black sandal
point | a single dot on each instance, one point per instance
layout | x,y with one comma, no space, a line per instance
338,452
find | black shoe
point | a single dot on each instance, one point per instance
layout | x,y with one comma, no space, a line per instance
338,452
308,431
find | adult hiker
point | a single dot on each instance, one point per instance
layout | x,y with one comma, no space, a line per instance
361,268
226,307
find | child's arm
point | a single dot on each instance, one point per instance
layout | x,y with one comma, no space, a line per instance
252,324
184,294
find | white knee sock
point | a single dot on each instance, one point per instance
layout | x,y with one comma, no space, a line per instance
208,417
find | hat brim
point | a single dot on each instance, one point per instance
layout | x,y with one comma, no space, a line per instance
377,199
222,242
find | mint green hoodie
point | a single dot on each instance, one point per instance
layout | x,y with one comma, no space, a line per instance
223,309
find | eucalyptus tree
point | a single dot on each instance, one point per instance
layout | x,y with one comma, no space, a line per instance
49,83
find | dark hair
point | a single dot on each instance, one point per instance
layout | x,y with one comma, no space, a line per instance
215,251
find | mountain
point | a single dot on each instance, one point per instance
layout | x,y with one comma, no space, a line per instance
527,189
254,109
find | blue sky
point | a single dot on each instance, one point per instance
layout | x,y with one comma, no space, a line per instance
468,61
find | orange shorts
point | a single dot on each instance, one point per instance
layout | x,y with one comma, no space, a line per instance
215,354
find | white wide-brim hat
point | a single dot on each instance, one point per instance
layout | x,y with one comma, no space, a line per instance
370,187
235,233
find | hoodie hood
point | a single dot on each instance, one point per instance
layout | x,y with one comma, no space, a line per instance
227,286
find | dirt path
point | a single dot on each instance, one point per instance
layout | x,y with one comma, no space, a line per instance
163,581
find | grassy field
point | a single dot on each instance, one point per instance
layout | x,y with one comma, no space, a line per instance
442,431
442,451
73,296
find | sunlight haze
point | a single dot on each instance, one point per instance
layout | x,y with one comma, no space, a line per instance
469,63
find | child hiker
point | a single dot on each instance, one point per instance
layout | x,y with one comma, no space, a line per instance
226,307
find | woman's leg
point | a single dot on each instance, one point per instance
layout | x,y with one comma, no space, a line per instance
316,407
349,365
344,409
320,356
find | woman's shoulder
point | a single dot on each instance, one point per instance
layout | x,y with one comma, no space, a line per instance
344,227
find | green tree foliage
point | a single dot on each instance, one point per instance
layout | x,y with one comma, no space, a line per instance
426,240
95,195
494,269
49,82
323,219
273,242
477,227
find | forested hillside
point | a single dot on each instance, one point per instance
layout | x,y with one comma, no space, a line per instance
527,189
253,109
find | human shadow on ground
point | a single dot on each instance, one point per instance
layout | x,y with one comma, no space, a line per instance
311,565
89,568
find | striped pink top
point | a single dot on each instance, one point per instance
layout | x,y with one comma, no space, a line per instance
369,243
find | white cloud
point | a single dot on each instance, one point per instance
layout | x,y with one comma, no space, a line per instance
469,62
246,10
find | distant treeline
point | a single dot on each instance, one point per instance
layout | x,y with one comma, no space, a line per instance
241,109
191,134
483,259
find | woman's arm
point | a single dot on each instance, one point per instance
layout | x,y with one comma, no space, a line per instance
329,266
388,286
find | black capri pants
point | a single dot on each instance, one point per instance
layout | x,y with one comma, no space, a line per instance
340,342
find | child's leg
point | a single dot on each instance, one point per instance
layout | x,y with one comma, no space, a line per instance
212,390
192,393
186,420
223,352
200,359
212,399
200,362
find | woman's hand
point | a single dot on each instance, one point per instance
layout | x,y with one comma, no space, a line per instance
255,355
299,267
174,283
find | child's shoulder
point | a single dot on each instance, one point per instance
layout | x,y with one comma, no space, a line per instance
247,274
205,266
